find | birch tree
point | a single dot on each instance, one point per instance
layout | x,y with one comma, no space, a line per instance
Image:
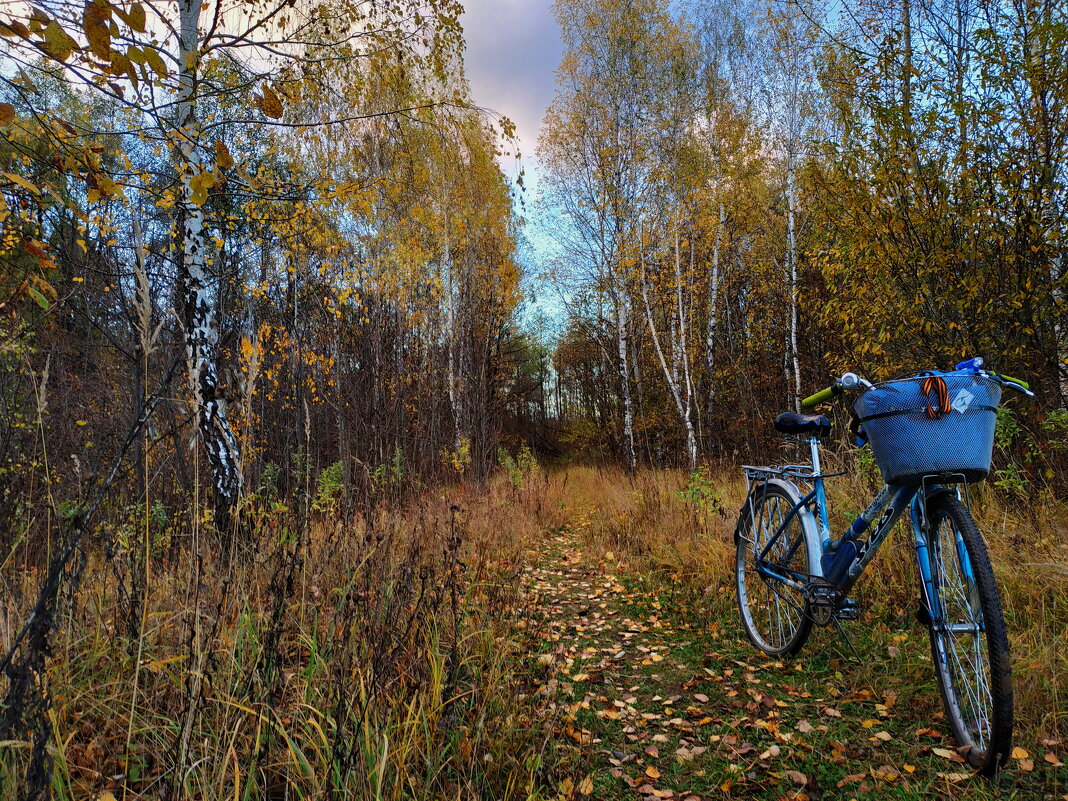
602,141
161,76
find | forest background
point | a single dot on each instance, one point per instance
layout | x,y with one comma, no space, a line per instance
265,333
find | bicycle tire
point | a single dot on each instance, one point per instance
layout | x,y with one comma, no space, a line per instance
972,667
769,505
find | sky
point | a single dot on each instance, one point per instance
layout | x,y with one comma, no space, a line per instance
513,48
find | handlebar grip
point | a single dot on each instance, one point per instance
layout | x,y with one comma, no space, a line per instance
1012,380
819,397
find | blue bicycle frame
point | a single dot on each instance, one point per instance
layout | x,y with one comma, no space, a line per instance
842,561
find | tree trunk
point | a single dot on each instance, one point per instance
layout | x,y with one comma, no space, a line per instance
673,385
691,436
791,240
713,310
620,299
201,326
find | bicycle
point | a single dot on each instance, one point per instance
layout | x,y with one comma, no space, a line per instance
931,434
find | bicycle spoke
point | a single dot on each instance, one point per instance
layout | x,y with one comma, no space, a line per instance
965,660
774,611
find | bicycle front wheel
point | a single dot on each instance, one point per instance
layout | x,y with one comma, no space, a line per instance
771,546
968,640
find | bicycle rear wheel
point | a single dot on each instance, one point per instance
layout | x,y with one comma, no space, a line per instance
968,640
775,615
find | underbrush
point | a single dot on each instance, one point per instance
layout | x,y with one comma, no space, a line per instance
679,528
388,657
349,660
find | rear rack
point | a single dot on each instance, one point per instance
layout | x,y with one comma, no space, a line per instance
801,472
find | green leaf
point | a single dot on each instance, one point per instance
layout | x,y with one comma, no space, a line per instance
57,42
155,61
38,298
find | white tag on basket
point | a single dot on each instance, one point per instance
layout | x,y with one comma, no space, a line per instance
963,401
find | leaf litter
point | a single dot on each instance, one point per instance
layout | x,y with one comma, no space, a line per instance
656,704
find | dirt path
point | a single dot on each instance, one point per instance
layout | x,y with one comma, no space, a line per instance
652,701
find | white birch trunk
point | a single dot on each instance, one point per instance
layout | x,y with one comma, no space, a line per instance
791,240
620,299
673,385
201,325
450,326
691,436
713,309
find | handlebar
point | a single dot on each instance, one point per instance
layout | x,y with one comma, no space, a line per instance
853,381
820,397
847,381
1010,381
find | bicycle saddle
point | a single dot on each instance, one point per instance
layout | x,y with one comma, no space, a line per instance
791,423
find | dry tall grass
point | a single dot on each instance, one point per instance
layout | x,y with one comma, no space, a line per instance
645,520
384,662
354,662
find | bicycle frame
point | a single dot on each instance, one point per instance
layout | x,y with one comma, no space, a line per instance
849,554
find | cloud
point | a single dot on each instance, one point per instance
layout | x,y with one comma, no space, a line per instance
513,49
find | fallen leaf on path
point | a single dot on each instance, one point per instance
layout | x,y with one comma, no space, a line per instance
886,773
955,777
852,778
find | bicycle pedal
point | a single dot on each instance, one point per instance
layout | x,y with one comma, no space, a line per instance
848,609
822,602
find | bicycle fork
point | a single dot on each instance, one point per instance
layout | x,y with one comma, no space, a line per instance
927,545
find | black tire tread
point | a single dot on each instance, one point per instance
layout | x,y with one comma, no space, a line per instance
987,763
797,642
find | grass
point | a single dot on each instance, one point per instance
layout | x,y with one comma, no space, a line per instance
352,662
679,555
467,645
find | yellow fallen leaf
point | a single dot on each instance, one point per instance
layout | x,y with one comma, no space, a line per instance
869,723
586,785
652,772
883,735
945,753
1020,753
909,768
955,777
